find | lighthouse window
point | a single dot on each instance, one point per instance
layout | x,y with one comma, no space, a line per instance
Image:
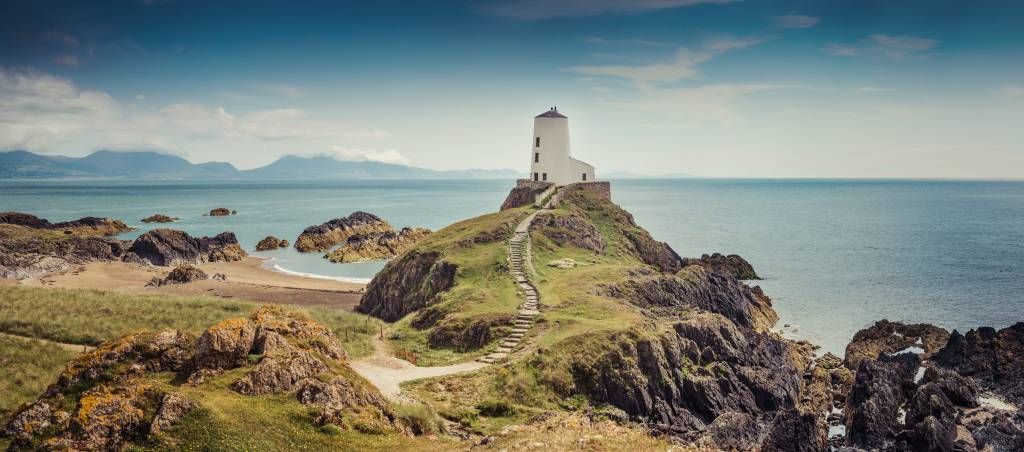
584,177
536,157
534,177
537,142
545,175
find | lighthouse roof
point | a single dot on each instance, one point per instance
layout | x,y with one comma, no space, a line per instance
552,113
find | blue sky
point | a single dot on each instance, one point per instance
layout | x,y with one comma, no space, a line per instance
711,88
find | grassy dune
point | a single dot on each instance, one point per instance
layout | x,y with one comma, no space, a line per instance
91,317
26,368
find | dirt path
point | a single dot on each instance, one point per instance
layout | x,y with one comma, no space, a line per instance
387,373
77,348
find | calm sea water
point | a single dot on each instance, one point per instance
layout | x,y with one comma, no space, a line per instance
836,255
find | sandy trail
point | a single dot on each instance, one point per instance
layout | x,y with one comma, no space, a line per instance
246,279
387,373
77,348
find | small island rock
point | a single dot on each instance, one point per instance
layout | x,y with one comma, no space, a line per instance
271,243
159,218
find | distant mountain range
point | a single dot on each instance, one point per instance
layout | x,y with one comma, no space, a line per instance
154,165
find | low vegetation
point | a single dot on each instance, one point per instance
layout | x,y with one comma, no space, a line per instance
26,367
91,317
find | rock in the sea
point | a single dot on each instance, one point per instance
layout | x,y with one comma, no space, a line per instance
271,243
83,226
732,264
894,337
377,245
172,247
221,212
324,236
407,284
158,218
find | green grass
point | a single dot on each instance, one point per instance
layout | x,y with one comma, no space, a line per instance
91,316
26,368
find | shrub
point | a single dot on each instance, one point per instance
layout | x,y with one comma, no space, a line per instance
420,418
495,408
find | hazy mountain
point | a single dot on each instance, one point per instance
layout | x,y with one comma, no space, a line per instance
629,175
154,165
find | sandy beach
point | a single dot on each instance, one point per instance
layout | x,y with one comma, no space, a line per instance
246,279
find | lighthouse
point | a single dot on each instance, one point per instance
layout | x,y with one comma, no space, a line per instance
551,156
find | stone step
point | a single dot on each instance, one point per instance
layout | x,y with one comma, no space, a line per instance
517,335
520,329
523,323
510,343
486,359
505,350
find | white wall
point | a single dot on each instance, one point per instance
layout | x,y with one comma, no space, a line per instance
554,149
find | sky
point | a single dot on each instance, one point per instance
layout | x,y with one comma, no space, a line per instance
716,88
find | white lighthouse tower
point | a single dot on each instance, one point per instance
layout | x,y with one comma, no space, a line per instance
550,157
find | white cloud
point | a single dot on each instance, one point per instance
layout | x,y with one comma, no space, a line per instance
892,47
841,50
140,97
548,9
796,21
709,103
43,113
65,59
684,65
897,47
873,89
1012,90
370,155
728,43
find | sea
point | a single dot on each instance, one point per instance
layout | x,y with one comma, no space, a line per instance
835,255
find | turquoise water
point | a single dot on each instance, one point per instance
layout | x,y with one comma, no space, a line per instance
836,255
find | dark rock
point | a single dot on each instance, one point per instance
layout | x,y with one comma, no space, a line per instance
654,253
829,361
793,431
25,252
184,274
995,359
892,337
220,212
172,247
525,193
324,236
158,218
879,389
732,264
570,230
85,226
406,284
270,243
377,245
466,334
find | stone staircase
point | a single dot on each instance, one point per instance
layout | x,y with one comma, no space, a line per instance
518,258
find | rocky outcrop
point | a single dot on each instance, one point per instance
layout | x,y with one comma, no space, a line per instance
221,212
158,218
732,265
270,243
324,236
570,230
994,359
167,247
409,283
26,252
525,193
696,288
873,405
84,226
892,337
465,334
377,245
106,399
184,274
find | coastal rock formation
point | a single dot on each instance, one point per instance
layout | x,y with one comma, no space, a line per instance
84,226
377,245
158,218
732,264
168,247
221,212
525,193
324,236
407,284
184,274
994,359
271,243
26,251
570,230
108,399
892,337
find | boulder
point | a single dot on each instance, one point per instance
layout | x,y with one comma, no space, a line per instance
169,247
894,337
407,284
995,359
184,274
377,245
158,218
225,345
173,407
732,265
873,405
271,243
324,236
281,371
220,212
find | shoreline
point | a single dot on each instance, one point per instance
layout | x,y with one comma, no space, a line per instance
247,280
269,263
